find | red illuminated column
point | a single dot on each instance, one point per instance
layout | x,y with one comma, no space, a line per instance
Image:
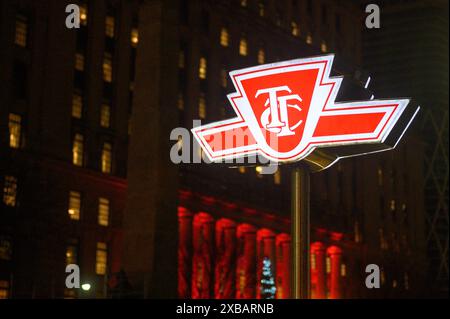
266,248
225,259
283,279
246,262
335,254
319,271
203,241
184,252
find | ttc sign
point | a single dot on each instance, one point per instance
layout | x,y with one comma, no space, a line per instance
287,112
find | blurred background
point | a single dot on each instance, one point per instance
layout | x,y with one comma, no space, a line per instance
86,177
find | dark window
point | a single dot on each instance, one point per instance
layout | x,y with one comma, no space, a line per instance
20,80
184,12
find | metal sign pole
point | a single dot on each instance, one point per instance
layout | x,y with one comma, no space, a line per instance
300,222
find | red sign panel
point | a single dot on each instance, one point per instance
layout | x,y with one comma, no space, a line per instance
285,110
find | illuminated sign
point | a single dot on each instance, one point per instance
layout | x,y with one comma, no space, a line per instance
286,112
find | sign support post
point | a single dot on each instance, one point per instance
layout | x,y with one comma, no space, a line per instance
300,228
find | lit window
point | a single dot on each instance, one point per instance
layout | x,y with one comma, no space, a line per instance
5,248
343,270
103,211
77,106
261,8
243,47
15,128
313,261
380,176
202,68
105,115
77,150
72,253
79,62
180,102
309,38
328,264
223,78
4,289
277,177
101,258
134,37
181,60
392,205
242,169
294,29
21,30
10,191
244,3
74,205
224,37
107,67
83,15
261,56
109,26
323,46
202,106
106,157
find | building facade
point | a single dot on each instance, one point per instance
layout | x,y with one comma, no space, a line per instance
64,144
408,55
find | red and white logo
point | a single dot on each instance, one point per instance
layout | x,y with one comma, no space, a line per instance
285,110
